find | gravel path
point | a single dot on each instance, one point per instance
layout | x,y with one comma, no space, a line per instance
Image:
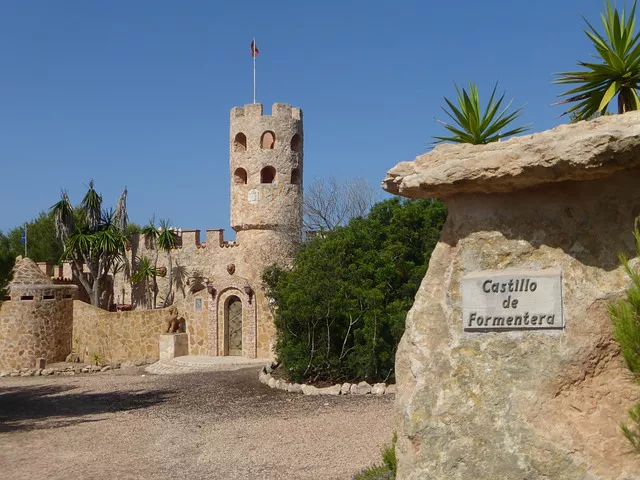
205,425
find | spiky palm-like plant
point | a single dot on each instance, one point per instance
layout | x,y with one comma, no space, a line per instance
167,240
151,232
472,124
615,71
91,239
145,272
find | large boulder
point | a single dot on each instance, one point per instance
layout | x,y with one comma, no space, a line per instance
540,402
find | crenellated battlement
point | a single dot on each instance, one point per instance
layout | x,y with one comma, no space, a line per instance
255,110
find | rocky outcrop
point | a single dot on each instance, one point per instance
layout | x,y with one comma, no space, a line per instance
531,403
581,151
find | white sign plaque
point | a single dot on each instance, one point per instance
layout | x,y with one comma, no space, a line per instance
504,300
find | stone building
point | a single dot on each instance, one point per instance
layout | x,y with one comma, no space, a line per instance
219,281
36,319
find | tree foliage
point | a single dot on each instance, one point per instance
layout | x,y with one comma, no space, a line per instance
615,71
94,241
7,260
340,310
475,126
42,243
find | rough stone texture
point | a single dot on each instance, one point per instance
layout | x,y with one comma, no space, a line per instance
267,218
581,151
378,389
345,389
295,388
37,319
117,336
523,404
363,388
173,345
333,390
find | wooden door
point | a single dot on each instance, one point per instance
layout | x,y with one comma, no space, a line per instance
234,326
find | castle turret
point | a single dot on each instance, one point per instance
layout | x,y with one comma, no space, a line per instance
266,156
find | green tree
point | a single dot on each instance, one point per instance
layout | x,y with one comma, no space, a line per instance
340,311
472,124
93,240
43,246
616,70
7,261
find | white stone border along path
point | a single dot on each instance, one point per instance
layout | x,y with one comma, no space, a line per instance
362,388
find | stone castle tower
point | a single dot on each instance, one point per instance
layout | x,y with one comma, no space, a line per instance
217,284
266,159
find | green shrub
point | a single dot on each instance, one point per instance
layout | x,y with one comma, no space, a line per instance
389,468
340,310
632,433
375,473
389,455
625,315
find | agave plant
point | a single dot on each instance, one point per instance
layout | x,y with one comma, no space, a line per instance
472,125
616,70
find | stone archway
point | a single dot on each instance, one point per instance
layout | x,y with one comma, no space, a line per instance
227,293
233,326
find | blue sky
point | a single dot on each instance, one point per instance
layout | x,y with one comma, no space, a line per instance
139,93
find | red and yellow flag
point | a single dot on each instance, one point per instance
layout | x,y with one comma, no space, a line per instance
254,49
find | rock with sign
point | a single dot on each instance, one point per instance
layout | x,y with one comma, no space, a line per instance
507,368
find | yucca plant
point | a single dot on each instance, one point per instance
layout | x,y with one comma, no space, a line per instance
92,241
167,240
472,124
145,272
616,70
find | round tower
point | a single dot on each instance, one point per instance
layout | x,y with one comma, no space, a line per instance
266,158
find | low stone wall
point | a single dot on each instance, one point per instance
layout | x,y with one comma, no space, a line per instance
134,335
116,336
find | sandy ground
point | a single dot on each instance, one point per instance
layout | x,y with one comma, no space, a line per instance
208,425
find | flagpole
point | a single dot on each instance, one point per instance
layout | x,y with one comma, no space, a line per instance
253,54
25,239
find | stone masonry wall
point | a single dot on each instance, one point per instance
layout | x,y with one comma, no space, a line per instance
133,336
116,336
31,329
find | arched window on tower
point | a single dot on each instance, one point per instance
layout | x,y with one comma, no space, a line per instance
296,143
268,140
240,176
240,142
268,175
295,176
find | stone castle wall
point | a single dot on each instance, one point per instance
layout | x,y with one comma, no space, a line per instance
266,160
132,336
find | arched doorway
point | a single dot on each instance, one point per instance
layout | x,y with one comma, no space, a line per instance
233,330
